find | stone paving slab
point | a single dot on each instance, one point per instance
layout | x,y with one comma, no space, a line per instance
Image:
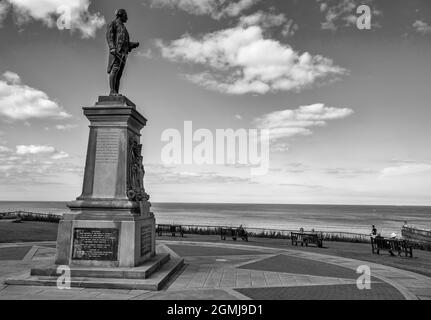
195,278
52,244
187,250
14,253
210,294
30,253
379,291
52,293
296,265
101,291
44,253
13,290
144,296
114,296
423,292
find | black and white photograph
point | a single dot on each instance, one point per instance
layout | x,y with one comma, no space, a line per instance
194,152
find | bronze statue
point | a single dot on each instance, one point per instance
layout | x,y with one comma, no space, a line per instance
119,47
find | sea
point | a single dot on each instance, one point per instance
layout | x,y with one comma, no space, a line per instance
337,218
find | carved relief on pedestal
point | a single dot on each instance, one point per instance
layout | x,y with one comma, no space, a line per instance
135,171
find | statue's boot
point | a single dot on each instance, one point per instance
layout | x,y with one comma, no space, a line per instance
117,87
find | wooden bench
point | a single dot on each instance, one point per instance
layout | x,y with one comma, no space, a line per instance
168,228
306,238
391,245
235,233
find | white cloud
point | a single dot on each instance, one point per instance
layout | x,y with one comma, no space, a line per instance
145,54
215,8
65,126
242,61
48,11
238,117
350,172
422,27
11,77
35,166
280,147
32,163
405,169
235,8
264,19
343,12
161,174
289,29
34,149
269,20
60,155
289,123
4,7
4,149
21,102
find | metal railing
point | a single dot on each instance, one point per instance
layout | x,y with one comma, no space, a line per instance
277,233
31,216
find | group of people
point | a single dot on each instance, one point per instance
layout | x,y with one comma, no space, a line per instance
375,234
394,244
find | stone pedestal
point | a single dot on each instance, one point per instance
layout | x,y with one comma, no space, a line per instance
108,237
110,224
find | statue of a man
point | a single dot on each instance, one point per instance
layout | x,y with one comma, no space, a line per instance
119,47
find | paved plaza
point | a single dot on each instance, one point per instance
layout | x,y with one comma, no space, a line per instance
231,271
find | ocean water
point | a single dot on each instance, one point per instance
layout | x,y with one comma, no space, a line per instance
354,218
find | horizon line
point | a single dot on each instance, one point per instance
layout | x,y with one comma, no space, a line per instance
250,203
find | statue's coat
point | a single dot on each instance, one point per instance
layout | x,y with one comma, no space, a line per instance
118,39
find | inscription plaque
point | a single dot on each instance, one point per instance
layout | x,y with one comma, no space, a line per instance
145,240
95,244
106,163
107,146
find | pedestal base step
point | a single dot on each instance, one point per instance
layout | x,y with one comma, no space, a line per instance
144,271
106,278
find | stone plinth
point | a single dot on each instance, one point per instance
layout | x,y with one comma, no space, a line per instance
110,224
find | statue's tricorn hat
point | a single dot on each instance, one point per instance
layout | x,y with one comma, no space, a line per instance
119,12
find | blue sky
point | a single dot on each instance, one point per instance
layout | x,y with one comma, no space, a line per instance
227,64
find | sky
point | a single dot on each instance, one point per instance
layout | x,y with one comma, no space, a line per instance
347,109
